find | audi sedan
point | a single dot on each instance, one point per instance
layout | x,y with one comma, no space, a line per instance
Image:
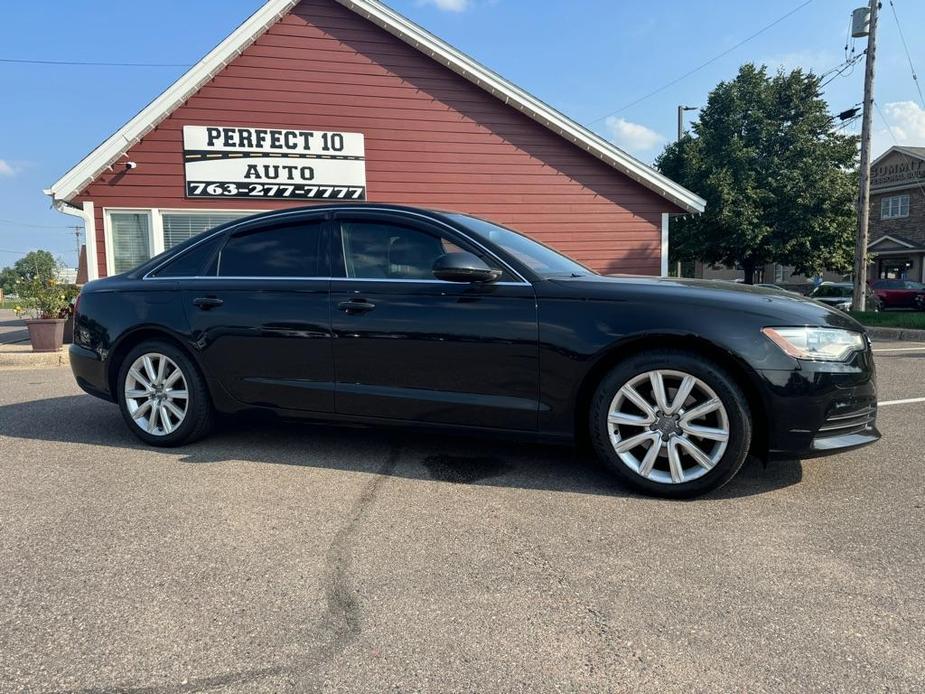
385,315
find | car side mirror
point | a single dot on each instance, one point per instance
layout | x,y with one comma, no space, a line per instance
463,267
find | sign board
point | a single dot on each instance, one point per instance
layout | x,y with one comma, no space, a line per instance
238,162
898,171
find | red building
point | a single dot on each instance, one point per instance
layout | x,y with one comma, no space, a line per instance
345,99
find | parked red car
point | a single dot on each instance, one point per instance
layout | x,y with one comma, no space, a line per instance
900,293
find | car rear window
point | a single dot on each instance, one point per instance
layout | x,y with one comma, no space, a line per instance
291,250
197,261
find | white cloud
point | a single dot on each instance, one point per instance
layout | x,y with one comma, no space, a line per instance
635,138
907,123
6,169
448,5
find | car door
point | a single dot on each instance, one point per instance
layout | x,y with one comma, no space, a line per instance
262,316
891,293
408,346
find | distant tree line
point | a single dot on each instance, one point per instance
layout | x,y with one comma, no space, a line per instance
779,179
33,265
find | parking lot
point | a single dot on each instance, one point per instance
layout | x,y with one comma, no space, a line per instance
287,557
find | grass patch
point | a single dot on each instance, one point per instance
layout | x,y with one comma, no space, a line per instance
914,320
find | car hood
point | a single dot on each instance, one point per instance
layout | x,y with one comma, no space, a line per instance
772,306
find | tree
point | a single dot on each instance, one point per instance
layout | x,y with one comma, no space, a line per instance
33,265
779,181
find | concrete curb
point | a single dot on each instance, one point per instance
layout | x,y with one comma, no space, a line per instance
33,360
896,334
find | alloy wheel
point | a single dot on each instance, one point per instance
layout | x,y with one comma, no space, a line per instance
668,426
156,394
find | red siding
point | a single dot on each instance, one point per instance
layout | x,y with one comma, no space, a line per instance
432,139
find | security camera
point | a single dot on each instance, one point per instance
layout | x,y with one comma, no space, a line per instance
129,165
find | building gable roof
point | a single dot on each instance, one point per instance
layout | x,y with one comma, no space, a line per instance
917,152
69,185
893,241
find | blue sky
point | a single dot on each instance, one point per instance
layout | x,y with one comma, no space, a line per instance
588,58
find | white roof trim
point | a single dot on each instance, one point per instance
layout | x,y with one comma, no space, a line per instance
412,34
887,237
893,150
71,183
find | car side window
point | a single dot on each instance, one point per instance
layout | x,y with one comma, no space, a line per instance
290,250
196,262
382,250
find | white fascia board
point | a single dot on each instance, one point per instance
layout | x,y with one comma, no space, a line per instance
887,237
514,96
71,183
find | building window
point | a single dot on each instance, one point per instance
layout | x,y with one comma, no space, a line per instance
179,226
131,239
894,207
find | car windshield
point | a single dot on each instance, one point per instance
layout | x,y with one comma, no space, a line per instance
536,256
831,290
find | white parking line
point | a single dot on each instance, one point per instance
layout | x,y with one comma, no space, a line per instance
901,349
900,402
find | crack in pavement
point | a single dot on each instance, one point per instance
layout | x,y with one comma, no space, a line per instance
341,619
342,616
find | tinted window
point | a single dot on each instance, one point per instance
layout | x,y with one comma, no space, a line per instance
388,251
193,262
284,251
830,290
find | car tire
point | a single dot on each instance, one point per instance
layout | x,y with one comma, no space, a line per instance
138,384
684,464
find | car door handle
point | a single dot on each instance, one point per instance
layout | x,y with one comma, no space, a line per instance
356,306
207,302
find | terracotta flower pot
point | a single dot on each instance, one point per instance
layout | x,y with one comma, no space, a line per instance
46,334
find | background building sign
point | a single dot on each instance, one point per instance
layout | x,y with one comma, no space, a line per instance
238,162
896,171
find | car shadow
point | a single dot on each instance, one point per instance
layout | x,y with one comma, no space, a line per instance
453,459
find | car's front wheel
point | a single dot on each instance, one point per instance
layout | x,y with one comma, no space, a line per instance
671,423
163,397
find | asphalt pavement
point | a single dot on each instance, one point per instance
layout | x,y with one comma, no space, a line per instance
290,557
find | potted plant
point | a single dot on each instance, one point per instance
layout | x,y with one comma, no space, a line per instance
46,305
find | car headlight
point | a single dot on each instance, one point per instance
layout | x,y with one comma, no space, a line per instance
816,344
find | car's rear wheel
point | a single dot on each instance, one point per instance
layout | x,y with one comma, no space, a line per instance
671,423
163,397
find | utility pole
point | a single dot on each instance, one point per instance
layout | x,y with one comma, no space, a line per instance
681,110
77,232
860,251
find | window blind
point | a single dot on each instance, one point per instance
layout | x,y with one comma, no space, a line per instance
178,227
130,239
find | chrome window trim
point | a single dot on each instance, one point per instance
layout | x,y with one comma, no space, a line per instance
331,279
333,210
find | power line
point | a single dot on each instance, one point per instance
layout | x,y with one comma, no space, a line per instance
902,36
34,226
705,64
840,70
85,63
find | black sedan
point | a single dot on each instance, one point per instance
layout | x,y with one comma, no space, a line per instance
395,316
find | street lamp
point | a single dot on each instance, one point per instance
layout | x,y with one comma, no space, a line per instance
681,110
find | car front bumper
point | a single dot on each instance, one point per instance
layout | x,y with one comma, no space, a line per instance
821,409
